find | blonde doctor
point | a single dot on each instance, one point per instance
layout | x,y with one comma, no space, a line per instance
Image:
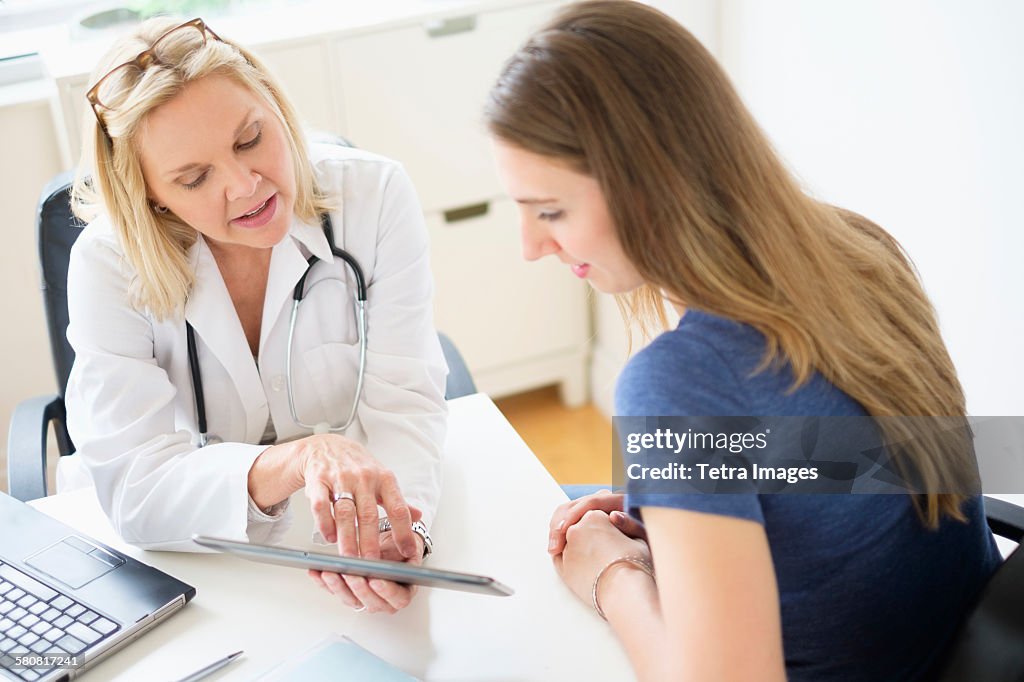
204,204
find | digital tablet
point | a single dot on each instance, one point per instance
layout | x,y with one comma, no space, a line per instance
366,568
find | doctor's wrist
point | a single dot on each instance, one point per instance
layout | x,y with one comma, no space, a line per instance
274,476
424,543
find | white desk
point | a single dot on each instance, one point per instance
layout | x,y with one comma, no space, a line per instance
493,520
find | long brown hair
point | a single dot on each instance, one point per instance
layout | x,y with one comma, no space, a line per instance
712,219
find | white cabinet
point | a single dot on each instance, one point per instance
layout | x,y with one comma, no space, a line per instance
416,93
518,324
408,80
303,71
68,108
419,97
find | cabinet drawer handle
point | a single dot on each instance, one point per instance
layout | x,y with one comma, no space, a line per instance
439,28
454,215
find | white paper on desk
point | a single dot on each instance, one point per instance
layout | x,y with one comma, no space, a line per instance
336,657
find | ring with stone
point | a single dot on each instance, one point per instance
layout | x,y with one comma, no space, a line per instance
336,497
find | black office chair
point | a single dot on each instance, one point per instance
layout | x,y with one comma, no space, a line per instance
56,232
989,645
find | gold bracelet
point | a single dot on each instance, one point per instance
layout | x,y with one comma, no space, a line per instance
634,560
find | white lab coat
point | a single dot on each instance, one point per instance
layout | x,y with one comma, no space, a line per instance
131,411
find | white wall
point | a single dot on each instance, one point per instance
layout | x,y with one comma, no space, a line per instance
909,113
28,159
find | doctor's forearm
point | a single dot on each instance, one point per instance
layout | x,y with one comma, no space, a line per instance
274,476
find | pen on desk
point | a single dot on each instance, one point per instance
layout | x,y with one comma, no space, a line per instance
210,669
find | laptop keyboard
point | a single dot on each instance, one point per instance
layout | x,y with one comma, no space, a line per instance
36,620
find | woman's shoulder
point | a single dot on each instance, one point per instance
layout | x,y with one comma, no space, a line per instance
369,187
376,205
99,271
332,161
713,366
98,244
694,369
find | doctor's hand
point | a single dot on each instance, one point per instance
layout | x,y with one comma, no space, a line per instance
344,485
376,595
569,514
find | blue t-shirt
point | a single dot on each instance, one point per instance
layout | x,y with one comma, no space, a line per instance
866,592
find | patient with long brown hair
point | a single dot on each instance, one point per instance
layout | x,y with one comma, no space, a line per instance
635,163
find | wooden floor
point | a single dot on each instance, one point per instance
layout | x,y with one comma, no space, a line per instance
574,444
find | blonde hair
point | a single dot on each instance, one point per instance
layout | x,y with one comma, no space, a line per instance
711,219
110,179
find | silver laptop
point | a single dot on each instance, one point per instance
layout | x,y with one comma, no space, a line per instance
66,601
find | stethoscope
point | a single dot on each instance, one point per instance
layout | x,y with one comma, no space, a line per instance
297,296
